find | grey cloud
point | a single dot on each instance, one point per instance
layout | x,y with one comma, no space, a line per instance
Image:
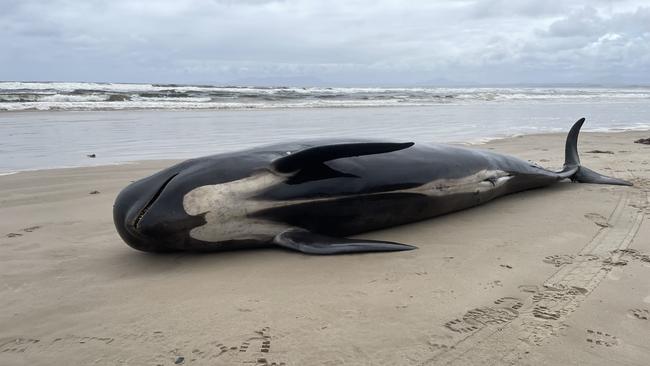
505,8
350,42
589,22
584,22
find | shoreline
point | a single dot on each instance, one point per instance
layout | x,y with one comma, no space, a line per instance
64,139
638,133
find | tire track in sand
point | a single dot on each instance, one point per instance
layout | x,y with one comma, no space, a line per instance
543,313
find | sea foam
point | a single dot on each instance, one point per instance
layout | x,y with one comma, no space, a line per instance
19,96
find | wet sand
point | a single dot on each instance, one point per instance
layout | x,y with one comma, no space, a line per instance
551,276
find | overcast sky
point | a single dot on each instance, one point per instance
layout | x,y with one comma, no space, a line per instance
328,42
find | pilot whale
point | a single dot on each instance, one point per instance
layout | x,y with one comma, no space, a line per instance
309,195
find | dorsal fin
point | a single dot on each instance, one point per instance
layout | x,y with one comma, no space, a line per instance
571,158
320,154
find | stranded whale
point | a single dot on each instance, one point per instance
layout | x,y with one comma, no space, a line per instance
308,196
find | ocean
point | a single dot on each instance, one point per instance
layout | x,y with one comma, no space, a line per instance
21,96
53,125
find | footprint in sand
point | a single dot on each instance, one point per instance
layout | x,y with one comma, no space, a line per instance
26,230
489,315
509,302
439,346
600,338
252,350
544,312
528,288
31,229
641,314
634,254
613,262
598,219
80,341
16,345
463,325
506,310
558,260
441,343
264,362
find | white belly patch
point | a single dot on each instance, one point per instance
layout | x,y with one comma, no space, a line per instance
226,207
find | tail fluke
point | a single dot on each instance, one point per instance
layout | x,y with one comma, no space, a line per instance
573,169
585,175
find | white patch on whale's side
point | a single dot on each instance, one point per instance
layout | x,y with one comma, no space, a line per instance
483,181
226,206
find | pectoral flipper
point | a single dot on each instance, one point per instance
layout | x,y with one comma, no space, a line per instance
310,243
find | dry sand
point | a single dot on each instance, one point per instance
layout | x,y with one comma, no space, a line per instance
555,276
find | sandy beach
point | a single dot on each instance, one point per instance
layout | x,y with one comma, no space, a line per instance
554,276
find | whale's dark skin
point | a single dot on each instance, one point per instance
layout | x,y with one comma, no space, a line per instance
309,195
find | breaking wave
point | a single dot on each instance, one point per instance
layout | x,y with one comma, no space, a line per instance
20,96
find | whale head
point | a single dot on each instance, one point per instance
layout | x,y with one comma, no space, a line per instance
149,214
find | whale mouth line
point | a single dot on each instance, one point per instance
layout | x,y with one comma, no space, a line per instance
153,199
